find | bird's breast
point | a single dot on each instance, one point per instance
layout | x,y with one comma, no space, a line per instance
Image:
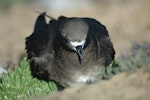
76,73
73,72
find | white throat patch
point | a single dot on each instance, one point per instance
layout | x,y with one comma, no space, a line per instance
76,43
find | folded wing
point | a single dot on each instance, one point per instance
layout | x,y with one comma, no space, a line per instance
99,35
39,46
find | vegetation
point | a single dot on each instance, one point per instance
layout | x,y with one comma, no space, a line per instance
138,57
20,84
7,4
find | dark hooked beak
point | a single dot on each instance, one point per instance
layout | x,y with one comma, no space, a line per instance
79,51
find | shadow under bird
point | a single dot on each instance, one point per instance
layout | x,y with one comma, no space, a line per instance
70,51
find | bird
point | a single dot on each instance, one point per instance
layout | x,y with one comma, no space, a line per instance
71,51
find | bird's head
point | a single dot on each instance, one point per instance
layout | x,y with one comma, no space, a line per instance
74,31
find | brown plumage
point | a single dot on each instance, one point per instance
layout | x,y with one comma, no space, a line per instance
70,51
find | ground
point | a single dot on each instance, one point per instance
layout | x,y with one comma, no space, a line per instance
128,23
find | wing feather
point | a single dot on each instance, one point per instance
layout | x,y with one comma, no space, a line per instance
39,46
99,35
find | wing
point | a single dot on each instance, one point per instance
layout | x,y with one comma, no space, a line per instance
39,46
99,35
39,41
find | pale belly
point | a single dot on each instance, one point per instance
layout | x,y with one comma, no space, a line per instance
89,78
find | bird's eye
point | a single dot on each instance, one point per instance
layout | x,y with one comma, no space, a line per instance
65,35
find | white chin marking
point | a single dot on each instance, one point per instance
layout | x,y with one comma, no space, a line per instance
76,43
